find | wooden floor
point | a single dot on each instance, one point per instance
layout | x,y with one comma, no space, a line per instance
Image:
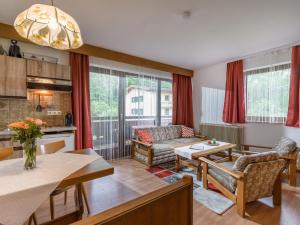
132,180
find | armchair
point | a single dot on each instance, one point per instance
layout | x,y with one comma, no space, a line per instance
287,150
247,179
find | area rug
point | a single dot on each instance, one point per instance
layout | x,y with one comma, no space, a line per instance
211,198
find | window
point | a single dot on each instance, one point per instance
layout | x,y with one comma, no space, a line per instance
166,102
137,99
267,93
212,105
121,101
138,112
167,112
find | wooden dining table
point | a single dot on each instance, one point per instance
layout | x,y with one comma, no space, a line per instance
97,169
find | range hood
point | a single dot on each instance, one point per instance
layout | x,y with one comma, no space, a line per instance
49,84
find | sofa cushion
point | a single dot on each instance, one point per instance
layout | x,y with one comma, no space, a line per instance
163,133
144,136
285,146
243,161
187,132
169,145
162,147
226,180
173,131
156,159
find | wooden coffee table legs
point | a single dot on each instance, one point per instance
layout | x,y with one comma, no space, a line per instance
180,162
199,170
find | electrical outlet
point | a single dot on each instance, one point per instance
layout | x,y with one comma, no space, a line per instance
54,113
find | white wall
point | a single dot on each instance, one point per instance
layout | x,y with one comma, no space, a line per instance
212,77
260,134
109,64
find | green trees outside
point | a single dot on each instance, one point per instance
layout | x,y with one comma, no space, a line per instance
268,93
104,95
104,91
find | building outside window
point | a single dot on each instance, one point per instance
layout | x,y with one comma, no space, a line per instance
138,112
137,99
167,112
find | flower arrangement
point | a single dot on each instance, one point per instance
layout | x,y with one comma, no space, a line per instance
27,131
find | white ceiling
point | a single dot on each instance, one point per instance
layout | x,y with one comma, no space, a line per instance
218,30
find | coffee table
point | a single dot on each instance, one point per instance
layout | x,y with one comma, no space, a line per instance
184,155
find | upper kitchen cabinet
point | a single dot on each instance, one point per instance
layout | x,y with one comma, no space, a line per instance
48,70
12,77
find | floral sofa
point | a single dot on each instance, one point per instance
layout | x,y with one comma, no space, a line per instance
165,139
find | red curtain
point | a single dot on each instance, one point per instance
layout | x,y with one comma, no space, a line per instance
182,101
294,96
81,100
234,103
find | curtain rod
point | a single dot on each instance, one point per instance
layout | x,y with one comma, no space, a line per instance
253,54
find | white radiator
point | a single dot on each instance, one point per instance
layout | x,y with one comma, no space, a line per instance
224,132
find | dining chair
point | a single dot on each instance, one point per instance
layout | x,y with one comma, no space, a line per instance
51,148
6,152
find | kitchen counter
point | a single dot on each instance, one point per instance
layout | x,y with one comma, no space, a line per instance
46,130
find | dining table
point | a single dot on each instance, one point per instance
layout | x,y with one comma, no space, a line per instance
95,168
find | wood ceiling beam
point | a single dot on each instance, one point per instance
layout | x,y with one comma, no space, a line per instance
8,31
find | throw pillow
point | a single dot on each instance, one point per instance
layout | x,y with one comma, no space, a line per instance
144,136
285,146
187,132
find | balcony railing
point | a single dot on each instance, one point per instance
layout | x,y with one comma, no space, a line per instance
106,131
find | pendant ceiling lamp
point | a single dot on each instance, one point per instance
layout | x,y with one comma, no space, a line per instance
47,25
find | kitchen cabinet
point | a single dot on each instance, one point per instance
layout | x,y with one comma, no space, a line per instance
12,77
48,70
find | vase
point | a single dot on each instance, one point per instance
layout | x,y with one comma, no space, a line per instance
30,154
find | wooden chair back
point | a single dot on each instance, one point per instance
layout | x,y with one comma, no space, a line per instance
170,205
52,147
6,152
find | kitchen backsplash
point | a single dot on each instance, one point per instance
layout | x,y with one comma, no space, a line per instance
16,109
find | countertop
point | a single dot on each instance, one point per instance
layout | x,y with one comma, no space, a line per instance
8,132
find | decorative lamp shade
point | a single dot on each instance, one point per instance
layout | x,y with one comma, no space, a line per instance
49,26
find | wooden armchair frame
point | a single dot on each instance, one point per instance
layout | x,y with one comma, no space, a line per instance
239,198
142,148
291,159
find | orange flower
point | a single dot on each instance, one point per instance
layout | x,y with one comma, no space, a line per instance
38,122
20,125
29,119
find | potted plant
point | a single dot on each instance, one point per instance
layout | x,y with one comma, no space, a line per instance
27,131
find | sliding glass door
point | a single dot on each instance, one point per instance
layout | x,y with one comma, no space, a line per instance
105,111
122,101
